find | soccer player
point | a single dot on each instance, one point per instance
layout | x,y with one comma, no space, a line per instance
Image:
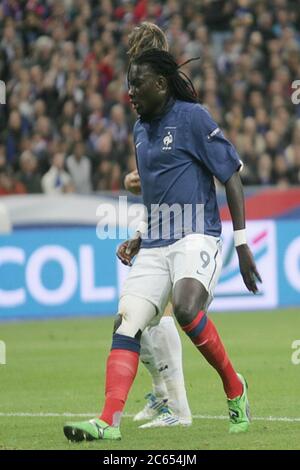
161,350
179,151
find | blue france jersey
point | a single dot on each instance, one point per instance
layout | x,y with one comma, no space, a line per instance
178,154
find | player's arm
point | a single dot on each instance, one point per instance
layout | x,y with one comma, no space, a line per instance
132,182
236,204
130,248
222,160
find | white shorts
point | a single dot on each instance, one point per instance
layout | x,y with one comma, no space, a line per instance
156,270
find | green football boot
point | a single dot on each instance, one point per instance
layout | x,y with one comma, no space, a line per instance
91,430
239,411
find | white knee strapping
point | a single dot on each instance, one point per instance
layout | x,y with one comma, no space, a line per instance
136,313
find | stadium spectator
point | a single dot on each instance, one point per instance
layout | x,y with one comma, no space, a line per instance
79,167
28,174
107,176
9,184
57,180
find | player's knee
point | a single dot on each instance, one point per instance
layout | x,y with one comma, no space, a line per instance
189,297
117,322
126,327
185,312
134,315
126,331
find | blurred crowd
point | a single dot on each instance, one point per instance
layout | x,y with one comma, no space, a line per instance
67,125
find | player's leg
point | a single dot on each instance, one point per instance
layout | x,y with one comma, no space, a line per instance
122,364
158,397
192,287
148,358
168,351
144,296
164,342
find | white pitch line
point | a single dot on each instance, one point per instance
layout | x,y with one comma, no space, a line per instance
88,415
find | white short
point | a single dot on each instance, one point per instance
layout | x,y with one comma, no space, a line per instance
156,270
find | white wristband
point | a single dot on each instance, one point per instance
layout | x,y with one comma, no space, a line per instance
240,237
142,227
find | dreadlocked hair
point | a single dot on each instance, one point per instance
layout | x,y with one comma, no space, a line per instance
163,63
146,36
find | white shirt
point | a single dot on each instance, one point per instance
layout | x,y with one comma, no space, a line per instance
54,181
80,171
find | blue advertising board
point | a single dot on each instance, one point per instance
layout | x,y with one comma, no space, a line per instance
57,271
64,271
288,249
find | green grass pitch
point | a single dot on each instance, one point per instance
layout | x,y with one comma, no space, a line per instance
56,367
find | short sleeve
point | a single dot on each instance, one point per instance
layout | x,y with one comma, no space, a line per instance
214,151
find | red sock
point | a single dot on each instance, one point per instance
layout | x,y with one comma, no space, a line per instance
204,335
121,369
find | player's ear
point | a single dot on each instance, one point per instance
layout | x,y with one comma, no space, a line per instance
162,85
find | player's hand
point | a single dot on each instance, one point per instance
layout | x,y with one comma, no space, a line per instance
132,182
248,268
128,250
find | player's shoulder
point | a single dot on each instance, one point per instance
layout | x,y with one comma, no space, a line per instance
193,109
185,105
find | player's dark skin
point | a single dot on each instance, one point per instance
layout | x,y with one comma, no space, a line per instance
149,94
